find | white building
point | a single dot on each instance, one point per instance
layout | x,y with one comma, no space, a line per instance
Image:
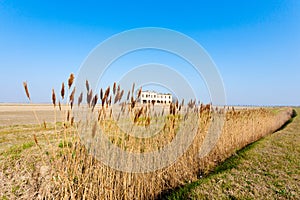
158,98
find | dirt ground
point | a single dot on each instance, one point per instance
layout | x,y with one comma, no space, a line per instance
18,114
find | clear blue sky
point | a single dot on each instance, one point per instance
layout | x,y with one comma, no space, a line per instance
255,44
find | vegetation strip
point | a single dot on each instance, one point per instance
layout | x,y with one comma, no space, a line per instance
266,169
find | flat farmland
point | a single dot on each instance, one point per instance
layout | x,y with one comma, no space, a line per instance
21,114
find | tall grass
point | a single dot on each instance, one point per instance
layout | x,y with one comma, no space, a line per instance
76,172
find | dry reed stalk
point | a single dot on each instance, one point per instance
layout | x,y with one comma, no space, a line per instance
116,98
53,98
59,105
128,96
62,91
80,99
28,96
101,93
26,90
132,89
103,101
87,85
121,95
68,115
109,101
106,94
72,120
36,141
89,97
114,88
139,93
94,102
72,97
71,80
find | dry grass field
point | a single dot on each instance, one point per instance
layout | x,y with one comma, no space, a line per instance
52,159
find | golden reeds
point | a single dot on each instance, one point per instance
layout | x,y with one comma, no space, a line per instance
80,99
71,80
62,91
77,174
72,97
26,90
87,85
53,98
89,97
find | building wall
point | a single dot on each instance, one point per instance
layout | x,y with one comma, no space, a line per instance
159,98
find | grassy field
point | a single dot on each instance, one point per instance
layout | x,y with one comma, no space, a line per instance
266,169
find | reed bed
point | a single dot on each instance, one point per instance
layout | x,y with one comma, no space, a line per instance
71,158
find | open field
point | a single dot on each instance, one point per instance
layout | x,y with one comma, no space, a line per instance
38,160
18,114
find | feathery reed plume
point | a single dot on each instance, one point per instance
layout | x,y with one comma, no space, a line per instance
26,90
71,80
53,97
174,110
109,101
62,91
116,98
72,97
121,95
107,92
89,97
176,104
132,89
171,108
68,115
138,114
99,115
36,141
80,99
94,102
128,95
101,94
114,88
71,104
87,85
59,105
72,120
118,89
103,101
132,102
139,93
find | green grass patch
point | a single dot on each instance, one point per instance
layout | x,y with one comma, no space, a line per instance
14,152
